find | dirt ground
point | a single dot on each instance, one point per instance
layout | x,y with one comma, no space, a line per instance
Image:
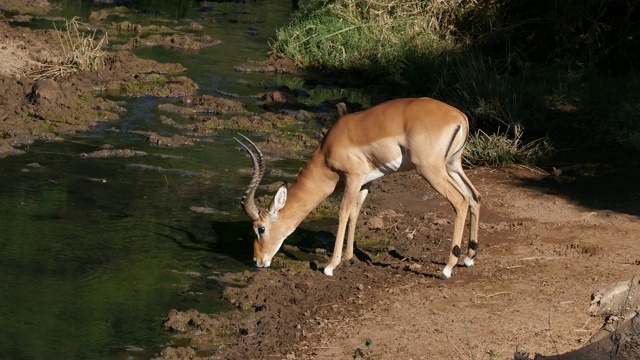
543,253
545,245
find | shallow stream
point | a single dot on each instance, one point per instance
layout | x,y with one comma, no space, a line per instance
95,252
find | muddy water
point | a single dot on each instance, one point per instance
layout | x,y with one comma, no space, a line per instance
95,252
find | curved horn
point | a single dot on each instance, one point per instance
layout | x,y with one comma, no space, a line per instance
259,167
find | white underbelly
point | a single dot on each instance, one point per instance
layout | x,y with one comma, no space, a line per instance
400,164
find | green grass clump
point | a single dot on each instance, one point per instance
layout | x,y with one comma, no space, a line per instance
505,148
383,38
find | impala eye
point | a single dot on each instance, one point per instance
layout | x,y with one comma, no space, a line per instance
261,230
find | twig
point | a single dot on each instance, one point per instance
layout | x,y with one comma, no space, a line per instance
499,293
584,327
532,168
560,171
322,305
453,346
553,340
393,226
586,217
539,258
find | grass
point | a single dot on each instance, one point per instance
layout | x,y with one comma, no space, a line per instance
375,37
504,148
614,105
80,51
366,352
505,64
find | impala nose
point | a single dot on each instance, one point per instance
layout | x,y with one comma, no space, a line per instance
262,264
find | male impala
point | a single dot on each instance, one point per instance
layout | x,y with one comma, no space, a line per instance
399,135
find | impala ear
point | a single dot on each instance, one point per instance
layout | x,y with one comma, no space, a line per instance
278,202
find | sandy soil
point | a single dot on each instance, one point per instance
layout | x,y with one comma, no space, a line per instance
545,245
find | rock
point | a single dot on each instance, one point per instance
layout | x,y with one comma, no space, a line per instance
45,89
617,304
278,96
375,223
181,353
619,299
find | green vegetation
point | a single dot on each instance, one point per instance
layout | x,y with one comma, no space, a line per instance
364,353
505,148
562,68
384,39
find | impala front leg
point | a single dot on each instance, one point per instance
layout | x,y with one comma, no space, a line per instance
353,220
347,206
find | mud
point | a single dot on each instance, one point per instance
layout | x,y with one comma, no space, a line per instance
33,108
545,245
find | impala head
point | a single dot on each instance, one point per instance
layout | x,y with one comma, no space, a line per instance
269,234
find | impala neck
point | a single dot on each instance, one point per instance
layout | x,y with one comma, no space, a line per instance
314,183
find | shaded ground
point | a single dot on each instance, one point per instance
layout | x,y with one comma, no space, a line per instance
545,246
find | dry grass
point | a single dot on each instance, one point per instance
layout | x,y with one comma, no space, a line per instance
80,51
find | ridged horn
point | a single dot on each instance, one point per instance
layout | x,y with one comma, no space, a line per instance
259,168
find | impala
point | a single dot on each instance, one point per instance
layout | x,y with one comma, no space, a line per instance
399,135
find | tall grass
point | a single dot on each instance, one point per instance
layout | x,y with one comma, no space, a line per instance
383,38
413,43
490,95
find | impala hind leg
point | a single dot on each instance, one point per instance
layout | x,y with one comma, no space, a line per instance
450,185
457,174
474,207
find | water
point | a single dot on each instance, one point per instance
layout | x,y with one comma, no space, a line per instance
95,252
